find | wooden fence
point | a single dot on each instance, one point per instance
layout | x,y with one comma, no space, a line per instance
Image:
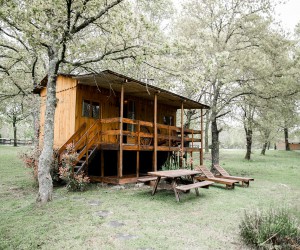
6,141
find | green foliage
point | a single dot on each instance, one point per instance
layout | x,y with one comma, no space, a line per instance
272,229
75,182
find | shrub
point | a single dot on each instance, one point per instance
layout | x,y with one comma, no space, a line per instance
75,182
30,159
272,229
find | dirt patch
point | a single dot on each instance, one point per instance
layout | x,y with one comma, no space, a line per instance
116,224
103,213
95,203
123,236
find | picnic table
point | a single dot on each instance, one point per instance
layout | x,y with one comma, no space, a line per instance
175,175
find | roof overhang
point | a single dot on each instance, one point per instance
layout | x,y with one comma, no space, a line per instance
111,80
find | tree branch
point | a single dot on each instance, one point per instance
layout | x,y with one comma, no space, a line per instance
90,20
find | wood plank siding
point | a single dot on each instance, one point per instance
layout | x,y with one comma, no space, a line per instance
124,136
64,126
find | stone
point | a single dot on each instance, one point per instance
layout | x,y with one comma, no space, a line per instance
103,213
123,236
116,224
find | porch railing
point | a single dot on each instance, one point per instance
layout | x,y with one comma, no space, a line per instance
141,133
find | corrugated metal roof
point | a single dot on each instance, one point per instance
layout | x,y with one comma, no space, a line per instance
109,79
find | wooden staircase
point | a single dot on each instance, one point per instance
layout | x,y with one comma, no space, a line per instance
85,160
85,142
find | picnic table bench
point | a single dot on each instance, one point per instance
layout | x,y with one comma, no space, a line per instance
148,178
175,175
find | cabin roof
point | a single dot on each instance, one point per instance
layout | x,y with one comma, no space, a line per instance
112,80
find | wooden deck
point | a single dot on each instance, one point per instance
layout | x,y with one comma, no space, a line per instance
114,134
115,179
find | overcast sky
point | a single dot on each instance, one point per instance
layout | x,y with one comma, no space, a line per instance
289,14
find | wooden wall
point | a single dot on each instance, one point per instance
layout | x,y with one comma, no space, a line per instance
110,106
293,146
145,110
64,125
68,115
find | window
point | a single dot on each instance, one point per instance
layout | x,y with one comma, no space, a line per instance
90,109
86,108
95,110
168,120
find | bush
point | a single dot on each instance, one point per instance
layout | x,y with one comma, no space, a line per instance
272,229
75,182
30,159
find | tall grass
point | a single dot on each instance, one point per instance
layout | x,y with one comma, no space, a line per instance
270,229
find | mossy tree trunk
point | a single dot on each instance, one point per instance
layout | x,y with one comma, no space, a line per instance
46,157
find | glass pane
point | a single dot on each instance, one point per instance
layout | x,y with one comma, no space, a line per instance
86,108
95,110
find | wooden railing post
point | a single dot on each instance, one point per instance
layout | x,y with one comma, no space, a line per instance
102,163
192,160
169,132
155,134
182,138
201,135
138,151
100,130
139,135
86,150
120,158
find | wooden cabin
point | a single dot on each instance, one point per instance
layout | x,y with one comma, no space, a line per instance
292,145
121,127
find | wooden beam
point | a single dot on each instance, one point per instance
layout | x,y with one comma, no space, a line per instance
182,138
102,163
201,142
137,163
155,134
120,158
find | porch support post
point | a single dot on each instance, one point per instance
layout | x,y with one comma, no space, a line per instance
201,143
182,137
102,163
120,158
138,163
155,134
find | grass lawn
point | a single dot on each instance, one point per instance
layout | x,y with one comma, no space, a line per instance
111,218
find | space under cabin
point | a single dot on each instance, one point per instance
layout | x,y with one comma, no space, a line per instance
121,127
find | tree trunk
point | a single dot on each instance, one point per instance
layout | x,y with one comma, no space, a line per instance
263,151
46,157
189,115
248,143
269,145
215,153
286,139
15,131
206,147
36,125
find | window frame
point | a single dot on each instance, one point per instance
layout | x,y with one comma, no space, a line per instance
90,109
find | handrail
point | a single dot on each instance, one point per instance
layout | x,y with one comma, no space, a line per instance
94,135
86,133
72,138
